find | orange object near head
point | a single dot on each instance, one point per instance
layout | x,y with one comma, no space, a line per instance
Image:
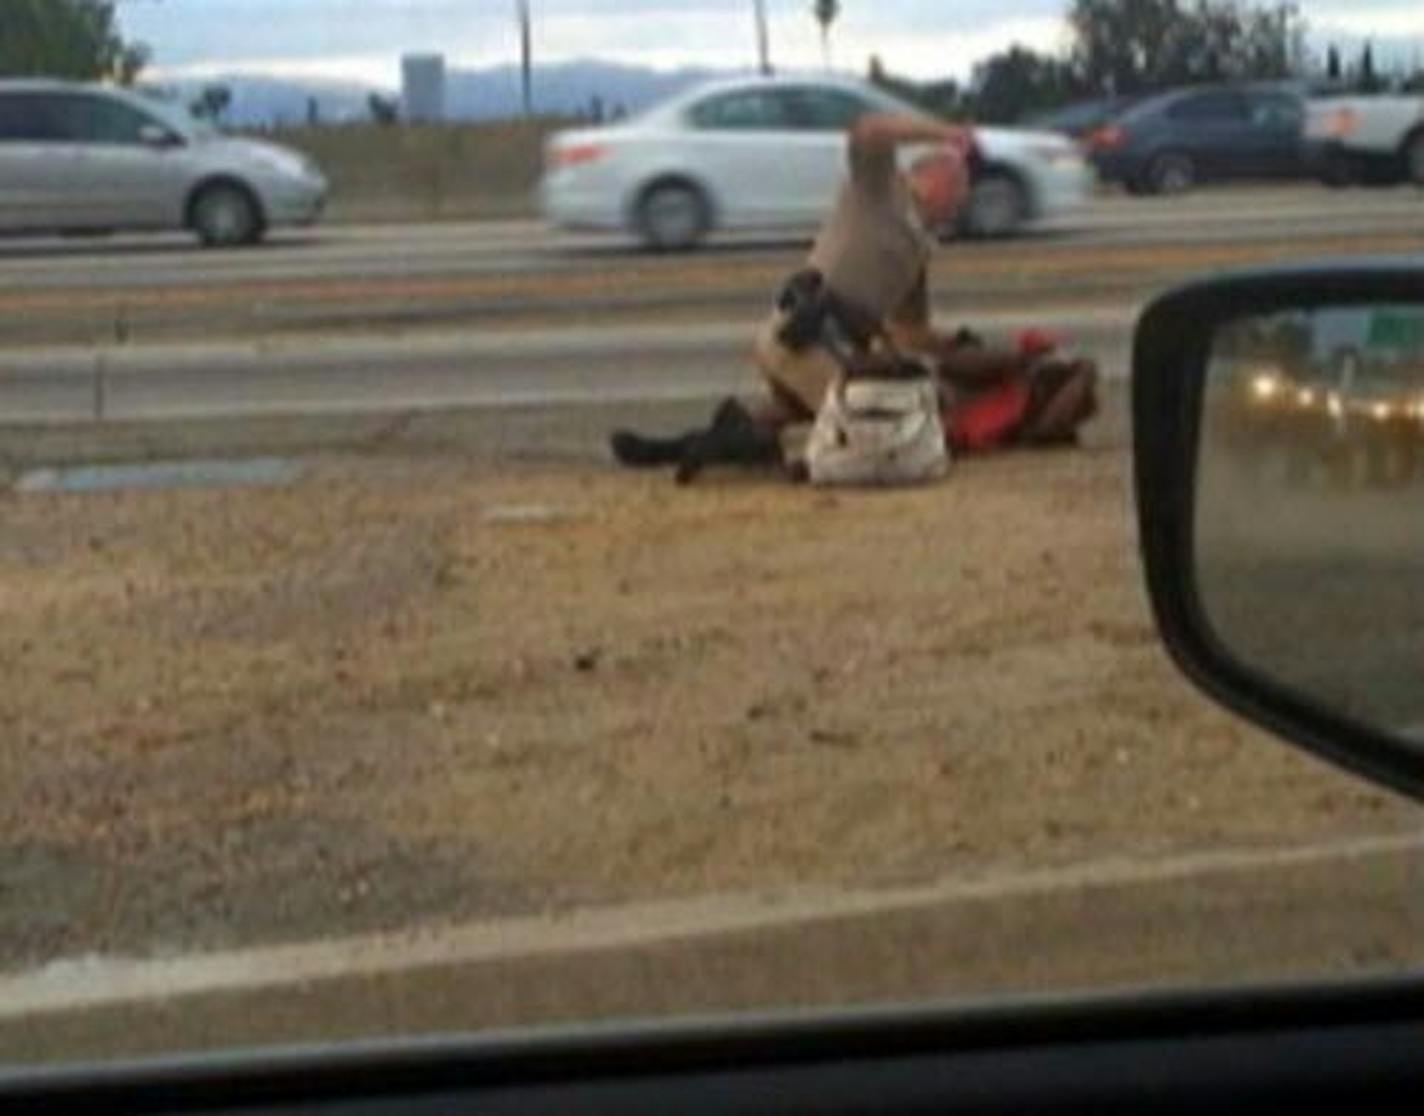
940,183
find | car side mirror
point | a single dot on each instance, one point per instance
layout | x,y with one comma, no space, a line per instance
158,137
1279,460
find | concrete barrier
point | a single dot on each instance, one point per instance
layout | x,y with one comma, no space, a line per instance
427,172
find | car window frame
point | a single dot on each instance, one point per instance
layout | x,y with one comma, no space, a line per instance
115,105
691,115
802,119
1356,1038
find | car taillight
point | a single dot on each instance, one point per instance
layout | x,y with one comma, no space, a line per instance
575,155
1105,138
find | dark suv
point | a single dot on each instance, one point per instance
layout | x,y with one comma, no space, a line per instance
1170,143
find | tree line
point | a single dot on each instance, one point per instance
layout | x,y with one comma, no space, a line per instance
1129,48
74,39
1115,48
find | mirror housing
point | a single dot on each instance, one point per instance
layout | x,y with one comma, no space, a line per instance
1171,360
158,137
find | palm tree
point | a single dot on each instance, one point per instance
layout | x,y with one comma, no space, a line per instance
826,13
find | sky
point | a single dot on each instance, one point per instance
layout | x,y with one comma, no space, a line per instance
362,40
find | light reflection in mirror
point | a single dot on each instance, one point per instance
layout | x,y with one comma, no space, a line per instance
1310,506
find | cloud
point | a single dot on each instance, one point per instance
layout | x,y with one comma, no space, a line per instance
380,71
1395,29
923,37
1378,19
364,38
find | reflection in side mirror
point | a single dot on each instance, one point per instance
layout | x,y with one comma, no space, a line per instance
1309,507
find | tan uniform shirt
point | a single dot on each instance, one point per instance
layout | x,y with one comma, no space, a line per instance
874,251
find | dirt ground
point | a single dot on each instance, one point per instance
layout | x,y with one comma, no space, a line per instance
408,690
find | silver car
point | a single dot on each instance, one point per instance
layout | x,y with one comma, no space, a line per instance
91,158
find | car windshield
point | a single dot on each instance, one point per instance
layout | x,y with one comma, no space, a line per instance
467,567
181,114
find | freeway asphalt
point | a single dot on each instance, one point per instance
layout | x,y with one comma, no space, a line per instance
525,246
376,318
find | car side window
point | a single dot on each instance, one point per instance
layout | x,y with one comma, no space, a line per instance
102,120
31,118
1210,108
1275,110
751,110
826,110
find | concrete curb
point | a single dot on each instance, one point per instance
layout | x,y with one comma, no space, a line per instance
1222,917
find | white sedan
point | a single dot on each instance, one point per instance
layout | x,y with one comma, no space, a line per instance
769,153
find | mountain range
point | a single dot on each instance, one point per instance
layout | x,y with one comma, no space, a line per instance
565,89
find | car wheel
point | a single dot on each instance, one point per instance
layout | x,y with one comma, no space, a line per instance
1171,173
672,217
1414,158
226,216
997,207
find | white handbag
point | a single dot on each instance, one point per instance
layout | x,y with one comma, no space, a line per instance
872,431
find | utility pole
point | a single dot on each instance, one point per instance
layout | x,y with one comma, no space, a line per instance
826,13
763,39
526,58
